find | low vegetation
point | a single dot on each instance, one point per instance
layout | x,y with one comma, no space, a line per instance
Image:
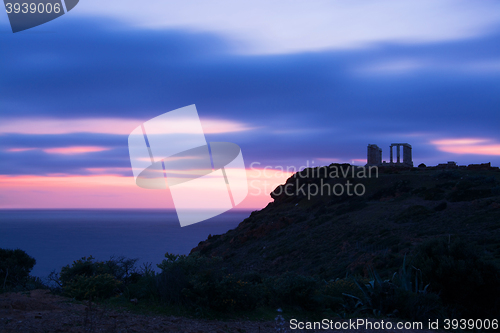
443,278
15,268
420,245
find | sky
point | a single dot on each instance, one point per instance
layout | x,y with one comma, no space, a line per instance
294,83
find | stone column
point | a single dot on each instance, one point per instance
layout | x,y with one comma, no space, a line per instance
390,147
409,158
399,154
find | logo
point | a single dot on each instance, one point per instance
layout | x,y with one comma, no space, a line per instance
31,13
205,179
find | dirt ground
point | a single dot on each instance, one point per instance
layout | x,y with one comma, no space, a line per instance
40,311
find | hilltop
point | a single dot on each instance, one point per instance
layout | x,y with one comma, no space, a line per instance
329,236
337,242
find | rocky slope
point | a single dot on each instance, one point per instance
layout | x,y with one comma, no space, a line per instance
330,235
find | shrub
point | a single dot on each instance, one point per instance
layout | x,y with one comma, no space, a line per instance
122,269
377,296
417,306
201,282
292,289
462,278
178,274
333,293
169,286
34,282
142,284
15,266
87,278
338,287
86,266
99,286
404,295
226,293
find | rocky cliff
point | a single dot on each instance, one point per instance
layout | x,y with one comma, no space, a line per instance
313,228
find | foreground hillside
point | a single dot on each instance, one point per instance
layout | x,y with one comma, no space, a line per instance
39,311
415,244
329,236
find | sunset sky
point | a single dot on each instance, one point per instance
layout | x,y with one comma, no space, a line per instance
292,82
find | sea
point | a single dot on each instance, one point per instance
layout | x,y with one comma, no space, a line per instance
55,238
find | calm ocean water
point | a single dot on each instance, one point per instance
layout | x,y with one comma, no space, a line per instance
57,237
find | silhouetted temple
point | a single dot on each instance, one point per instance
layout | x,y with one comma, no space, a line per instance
374,158
374,155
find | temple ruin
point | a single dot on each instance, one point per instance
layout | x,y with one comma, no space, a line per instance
374,155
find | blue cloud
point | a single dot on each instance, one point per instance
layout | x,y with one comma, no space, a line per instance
13,140
306,105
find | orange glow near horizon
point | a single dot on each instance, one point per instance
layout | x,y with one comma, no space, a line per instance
474,146
114,191
97,191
